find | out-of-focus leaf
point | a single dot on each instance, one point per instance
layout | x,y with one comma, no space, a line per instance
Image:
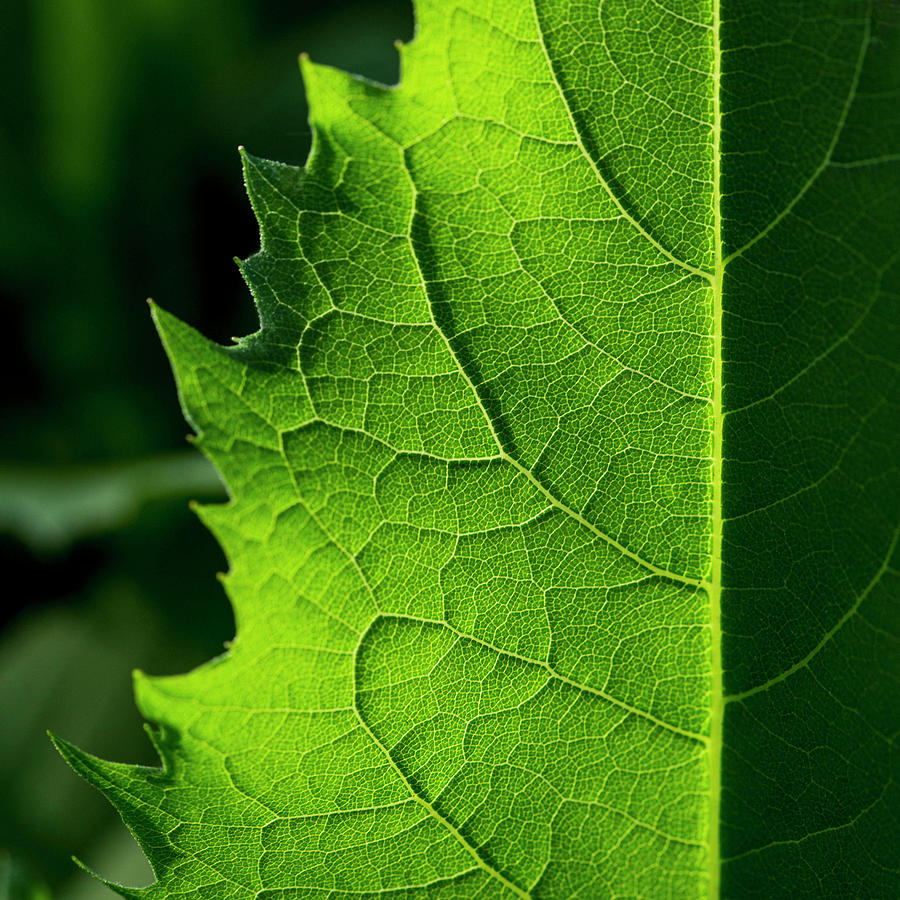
50,508
18,883
68,669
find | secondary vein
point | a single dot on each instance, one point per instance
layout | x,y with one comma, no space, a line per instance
623,211
558,676
502,451
429,808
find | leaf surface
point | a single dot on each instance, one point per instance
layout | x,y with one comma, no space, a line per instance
563,475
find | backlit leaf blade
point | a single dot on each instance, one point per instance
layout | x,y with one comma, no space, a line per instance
563,472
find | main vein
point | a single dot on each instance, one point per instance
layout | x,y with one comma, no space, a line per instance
717,703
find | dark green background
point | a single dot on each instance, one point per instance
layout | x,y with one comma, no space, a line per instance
120,180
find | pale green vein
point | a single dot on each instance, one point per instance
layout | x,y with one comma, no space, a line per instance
865,163
630,554
623,211
883,569
717,705
831,829
428,807
553,673
832,146
502,452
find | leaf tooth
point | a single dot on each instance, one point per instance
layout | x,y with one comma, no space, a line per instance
328,90
162,700
266,179
136,792
146,893
189,352
351,117
108,777
228,400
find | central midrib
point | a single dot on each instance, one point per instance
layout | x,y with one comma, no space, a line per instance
713,584
717,703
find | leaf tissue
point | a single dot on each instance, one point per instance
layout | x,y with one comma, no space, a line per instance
563,475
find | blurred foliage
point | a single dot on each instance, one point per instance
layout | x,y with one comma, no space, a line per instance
49,509
118,136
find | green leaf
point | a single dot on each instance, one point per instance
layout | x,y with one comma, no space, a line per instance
563,475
